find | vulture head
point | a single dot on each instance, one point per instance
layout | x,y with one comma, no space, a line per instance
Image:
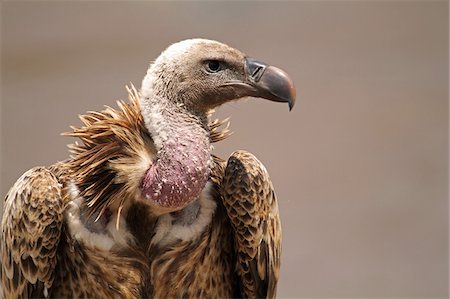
201,74
160,150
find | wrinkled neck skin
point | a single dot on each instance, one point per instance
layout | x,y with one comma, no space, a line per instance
181,167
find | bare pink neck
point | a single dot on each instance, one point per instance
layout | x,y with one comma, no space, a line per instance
181,168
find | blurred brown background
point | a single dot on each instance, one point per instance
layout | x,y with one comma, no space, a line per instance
360,165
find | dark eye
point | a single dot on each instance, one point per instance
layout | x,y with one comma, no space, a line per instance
213,66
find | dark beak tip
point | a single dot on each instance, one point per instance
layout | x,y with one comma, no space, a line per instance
292,100
292,94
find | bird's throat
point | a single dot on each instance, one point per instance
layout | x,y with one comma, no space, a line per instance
181,168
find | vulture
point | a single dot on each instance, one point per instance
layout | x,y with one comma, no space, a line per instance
142,208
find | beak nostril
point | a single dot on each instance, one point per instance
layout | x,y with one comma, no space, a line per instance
257,73
254,69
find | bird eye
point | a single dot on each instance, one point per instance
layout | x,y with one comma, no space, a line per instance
213,66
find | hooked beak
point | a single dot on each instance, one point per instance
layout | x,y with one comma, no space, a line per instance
270,82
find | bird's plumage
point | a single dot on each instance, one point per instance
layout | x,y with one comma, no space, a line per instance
252,208
130,214
31,233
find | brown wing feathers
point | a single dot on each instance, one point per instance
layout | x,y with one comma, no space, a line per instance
251,205
31,234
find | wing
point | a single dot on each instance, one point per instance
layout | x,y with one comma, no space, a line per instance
31,228
252,207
